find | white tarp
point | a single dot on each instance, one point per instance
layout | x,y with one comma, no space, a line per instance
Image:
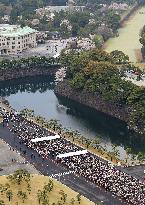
69,154
45,138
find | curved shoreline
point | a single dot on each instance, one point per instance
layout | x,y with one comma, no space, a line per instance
94,101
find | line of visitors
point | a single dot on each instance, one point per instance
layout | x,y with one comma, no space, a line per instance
88,165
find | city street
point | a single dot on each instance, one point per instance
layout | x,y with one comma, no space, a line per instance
50,167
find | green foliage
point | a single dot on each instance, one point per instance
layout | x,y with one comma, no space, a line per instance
78,197
19,176
78,81
2,202
27,112
27,63
141,156
22,196
98,39
119,57
142,38
63,196
49,187
72,201
9,195
29,188
112,20
99,72
4,188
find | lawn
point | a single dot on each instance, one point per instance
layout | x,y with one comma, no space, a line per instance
37,182
128,39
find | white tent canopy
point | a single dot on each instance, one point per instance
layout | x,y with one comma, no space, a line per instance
45,138
70,154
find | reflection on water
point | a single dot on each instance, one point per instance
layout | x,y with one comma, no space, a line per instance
37,93
128,39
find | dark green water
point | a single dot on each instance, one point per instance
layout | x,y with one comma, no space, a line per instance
37,93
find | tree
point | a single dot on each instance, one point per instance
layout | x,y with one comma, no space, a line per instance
78,197
2,202
78,81
4,188
112,20
88,142
98,39
104,32
96,143
1,188
39,196
27,112
128,152
63,196
72,202
22,196
119,57
49,187
115,152
19,176
141,156
29,188
9,195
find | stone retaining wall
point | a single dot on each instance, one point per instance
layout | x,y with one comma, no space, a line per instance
92,100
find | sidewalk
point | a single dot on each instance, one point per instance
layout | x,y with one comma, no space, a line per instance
11,161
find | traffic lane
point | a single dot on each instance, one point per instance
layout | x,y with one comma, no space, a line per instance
90,190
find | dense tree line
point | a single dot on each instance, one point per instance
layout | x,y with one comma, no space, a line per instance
27,63
79,23
26,8
102,73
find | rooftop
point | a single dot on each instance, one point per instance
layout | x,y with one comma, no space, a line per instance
15,30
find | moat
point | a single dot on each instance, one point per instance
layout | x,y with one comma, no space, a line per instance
37,93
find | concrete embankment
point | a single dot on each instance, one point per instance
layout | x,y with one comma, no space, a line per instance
92,100
9,74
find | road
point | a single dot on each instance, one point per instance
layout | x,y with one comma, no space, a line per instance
50,167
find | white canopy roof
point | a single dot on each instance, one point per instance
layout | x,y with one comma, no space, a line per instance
70,154
45,138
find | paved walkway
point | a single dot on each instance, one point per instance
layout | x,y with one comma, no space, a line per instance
136,171
50,167
11,160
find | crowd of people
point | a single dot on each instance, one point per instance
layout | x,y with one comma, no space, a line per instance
28,130
105,175
101,173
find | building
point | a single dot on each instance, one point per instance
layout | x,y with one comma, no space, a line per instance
14,39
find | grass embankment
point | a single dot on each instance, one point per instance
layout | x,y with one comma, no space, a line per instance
37,182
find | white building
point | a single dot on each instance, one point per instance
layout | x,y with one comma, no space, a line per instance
14,39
